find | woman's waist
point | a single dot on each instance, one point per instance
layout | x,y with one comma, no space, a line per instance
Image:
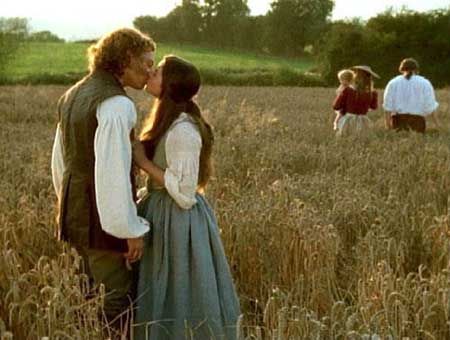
153,186
356,114
146,194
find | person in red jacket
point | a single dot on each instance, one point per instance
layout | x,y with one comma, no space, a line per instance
355,101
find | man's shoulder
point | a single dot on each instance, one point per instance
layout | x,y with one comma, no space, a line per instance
119,101
114,107
421,79
398,79
395,82
71,90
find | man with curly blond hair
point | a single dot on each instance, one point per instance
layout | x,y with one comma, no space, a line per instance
92,164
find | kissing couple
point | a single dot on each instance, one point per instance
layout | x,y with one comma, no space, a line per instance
161,258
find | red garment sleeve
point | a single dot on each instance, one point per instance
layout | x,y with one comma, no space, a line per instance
374,101
339,102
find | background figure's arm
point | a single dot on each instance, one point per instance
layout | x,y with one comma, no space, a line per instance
374,101
389,104
57,163
116,208
430,104
435,120
388,120
339,101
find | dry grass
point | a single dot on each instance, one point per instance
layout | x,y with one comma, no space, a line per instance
327,239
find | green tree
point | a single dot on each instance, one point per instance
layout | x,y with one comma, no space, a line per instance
44,36
385,40
407,33
346,44
153,26
252,30
185,22
224,21
293,24
13,31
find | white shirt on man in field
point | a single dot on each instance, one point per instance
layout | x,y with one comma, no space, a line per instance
116,118
413,96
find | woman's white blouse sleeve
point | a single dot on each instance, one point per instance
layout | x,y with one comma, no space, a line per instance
116,117
183,146
57,163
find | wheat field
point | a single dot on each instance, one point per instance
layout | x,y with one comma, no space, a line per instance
326,238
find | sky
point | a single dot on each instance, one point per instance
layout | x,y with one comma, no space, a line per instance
87,19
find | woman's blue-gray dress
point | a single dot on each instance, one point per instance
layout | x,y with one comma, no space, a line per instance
185,288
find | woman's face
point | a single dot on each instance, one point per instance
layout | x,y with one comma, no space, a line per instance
154,83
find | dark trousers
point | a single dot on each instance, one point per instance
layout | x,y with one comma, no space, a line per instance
406,122
109,268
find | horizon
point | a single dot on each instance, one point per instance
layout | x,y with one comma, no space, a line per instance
73,22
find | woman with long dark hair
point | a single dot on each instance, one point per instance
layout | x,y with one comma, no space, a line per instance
185,287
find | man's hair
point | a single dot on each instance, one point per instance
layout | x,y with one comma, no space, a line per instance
346,75
113,51
409,65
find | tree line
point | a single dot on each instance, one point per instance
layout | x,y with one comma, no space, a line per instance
384,40
294,27
287,28
291,28
15,31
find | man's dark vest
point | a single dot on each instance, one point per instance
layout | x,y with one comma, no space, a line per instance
79,222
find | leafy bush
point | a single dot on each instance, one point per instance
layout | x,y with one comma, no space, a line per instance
12,32
44,36
385,40
255,77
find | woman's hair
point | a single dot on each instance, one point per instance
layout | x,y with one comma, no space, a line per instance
180,83
410,66
346,74
112,52
363,81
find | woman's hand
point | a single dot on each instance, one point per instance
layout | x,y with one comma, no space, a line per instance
139,156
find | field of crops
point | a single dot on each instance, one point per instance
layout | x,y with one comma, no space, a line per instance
326,238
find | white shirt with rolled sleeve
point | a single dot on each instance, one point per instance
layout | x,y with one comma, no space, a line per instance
414,96
116,118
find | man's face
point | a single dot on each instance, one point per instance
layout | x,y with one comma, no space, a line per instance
138,71
154,83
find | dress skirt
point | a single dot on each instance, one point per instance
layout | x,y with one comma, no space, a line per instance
351,124
185,288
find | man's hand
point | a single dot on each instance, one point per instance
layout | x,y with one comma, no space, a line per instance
436,121
135,249
388,120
